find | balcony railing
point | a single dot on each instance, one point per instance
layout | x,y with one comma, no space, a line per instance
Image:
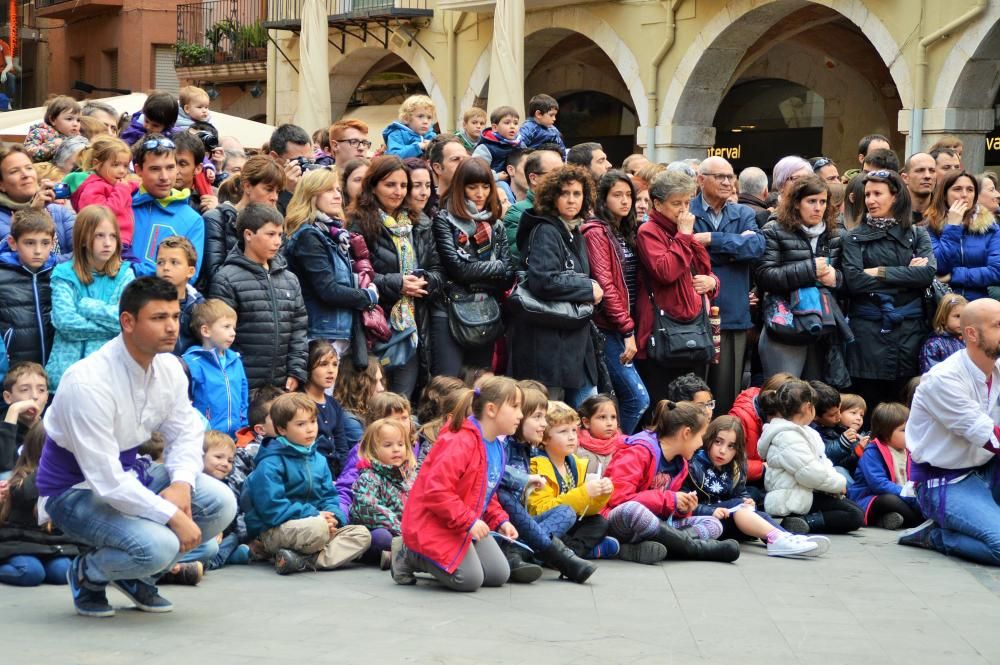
287,14
220,31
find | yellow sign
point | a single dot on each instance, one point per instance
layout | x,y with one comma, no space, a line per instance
728,153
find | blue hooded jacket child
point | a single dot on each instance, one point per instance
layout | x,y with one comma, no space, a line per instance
403,142
219,389
157,219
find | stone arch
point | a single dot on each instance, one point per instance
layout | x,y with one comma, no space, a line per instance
704,74
970,76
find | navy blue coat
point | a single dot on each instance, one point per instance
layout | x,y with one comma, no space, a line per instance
876,475
733,255
716,489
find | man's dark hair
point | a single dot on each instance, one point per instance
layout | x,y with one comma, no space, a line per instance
541,104
254,217
516,155
883,158
139,150
285,134
533,165
937,152
684,387
435,150
202,126
188,142
582,154
827,397
161,108
143,290
867,141
554,147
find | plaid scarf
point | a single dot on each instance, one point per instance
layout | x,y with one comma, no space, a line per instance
403,314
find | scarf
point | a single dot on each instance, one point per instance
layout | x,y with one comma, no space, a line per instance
572,224
474,236
13,206
814,231
880,223
403,314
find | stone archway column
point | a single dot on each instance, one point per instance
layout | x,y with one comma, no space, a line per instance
970,125
675,142
507,56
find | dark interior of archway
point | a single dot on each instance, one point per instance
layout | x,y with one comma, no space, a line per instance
389,81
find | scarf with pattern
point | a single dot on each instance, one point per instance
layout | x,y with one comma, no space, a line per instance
880,223
404,313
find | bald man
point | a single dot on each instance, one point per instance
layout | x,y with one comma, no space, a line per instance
954,440
729,232
920,175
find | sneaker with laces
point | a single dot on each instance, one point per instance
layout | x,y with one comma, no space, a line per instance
89,599
287,562
791,546
648,552
399,567
822,544
144,596
608,548
918,536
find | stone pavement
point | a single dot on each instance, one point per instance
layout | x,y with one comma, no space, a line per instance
867,601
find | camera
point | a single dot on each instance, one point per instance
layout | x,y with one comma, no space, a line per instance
61,190
307,164
208,139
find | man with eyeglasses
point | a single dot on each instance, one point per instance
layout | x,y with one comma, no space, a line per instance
729,232
920,175
349,140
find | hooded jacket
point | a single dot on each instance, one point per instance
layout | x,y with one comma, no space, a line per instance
495,148
95,190
745,408
288,482
971,255
25,308
157,219
633,469
796,467
403,142
380,493
271,318
220,239
63,217
876,475
219,389
606,266
549,496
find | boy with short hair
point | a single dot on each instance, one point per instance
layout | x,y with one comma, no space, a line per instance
193,103
26,264
259,426
409,136
220,463
25,396
838,448
175,262
473,121
291,503
498,141
158,116
190,154
219,389
272,319
540,127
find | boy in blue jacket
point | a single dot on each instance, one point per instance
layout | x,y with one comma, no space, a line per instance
219,388
540,127
291,503
26,265
496,144
409,136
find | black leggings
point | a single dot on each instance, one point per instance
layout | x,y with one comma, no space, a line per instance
891,503
832,515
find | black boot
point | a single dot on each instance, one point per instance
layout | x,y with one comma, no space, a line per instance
816,522
521,572
566,562
681,546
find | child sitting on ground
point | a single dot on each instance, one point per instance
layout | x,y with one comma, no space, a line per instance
837,447
802,485
438,399
718,474
290,500
947,336
25,396
568,483
881,477
62,120
540,127
409,136
599,435
158,116
473,121
219,389
382,486
852,419
108,184
322,369
259,426
496,143
220,463
176,260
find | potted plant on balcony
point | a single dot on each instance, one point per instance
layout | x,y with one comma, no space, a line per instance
252,41
191,55
225,29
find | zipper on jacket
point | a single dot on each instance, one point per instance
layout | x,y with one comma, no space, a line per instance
38,317
229,399
274,315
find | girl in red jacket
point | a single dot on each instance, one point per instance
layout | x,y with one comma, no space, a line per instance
453,505
647,475
108,157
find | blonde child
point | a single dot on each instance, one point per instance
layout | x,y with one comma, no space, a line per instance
221,463
473,122
947,336
599,435
290,500
382,486
880,480
108,184
568,483
86,290
176,260
409,136
192,106
62,120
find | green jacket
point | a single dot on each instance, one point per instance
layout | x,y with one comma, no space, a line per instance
379,495
511,221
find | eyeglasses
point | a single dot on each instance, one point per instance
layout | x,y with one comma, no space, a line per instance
721,177
356,143
708,406
155,144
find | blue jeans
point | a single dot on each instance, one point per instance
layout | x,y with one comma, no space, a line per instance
967,514
29,570
572,396
129,547
536,532
633,399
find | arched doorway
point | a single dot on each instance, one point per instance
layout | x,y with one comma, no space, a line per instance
371,77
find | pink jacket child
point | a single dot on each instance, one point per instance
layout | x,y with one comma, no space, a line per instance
95,190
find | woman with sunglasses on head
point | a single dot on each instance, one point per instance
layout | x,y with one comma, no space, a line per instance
887,265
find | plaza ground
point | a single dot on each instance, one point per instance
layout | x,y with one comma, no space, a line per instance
867,601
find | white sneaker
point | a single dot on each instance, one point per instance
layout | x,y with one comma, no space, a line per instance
791,546
822,545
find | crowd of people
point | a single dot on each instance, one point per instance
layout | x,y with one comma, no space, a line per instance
476,354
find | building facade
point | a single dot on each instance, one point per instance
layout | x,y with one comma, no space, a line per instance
675,78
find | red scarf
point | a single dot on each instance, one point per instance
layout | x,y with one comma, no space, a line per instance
601,446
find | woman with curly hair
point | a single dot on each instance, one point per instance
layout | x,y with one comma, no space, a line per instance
558,270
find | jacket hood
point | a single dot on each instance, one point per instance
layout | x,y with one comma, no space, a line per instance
209,355
595,225
648,441
489,136
10,259
176,196
529,220
772,430
397,126
282,447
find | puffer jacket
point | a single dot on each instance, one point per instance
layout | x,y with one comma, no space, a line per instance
716,488
970,254
380,493
789,262
888,356
558,270
219,389
533,135
220,239
330,288
272,319
42,141
25,308
64,219
20,534
606,267
465,270
745,409
548,496
796,467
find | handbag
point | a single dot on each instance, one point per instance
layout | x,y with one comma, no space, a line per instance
474,319
556,314
375,324
784,326
933,295
676,343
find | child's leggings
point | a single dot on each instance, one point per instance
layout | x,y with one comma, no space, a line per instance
381,542
28,570
632,522
536,532
484,565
